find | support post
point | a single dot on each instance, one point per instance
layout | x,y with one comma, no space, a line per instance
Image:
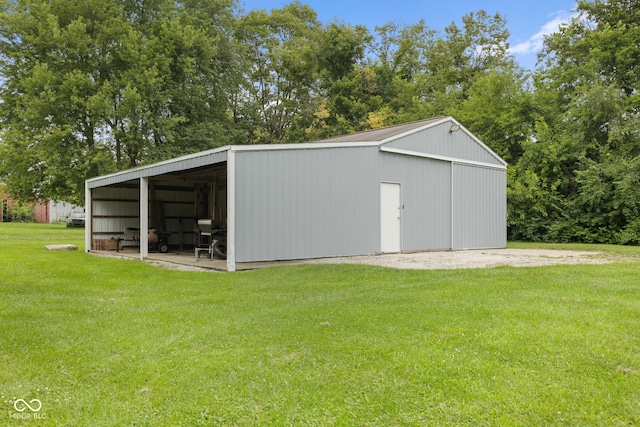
144,217
452,207
231,210
88,218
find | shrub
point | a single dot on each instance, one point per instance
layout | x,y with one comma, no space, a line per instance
21,213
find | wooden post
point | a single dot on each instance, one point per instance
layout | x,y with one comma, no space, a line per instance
214,188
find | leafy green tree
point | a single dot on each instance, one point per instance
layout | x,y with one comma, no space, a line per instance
498,109
585,98
456,60
345,85
95,86
280,61
51,110
534,202
381,78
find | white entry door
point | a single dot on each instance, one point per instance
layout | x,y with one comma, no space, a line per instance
390,214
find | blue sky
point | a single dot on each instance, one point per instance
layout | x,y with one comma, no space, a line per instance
527,21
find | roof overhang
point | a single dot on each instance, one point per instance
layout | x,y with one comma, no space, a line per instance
208,158
191,161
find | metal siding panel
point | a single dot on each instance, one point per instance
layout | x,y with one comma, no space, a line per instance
479,212
438,140
293,204
114,208
426,187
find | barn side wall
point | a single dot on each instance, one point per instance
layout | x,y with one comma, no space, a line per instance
306,203
113,209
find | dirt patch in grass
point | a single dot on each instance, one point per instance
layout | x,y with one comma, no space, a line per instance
476,259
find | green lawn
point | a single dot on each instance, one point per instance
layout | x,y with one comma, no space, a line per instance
109,342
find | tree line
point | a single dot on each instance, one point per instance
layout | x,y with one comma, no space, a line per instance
97,86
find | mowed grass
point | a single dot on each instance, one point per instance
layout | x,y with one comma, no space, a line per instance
109,342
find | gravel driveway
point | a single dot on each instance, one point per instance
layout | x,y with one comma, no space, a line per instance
472,259
485,258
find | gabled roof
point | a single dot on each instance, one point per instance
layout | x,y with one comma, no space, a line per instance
383,133
376,137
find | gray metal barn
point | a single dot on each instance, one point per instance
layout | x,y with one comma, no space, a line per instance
425,185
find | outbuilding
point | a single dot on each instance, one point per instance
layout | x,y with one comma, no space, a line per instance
420,186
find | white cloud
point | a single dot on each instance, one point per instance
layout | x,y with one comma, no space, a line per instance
534,43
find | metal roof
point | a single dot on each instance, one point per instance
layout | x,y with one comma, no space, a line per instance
210,157
383,133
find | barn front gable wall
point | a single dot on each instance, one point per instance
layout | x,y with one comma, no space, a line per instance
437,140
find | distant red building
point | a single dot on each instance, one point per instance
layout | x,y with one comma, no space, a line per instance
10,206
43,212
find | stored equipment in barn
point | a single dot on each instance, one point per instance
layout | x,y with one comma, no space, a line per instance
157,240
212,238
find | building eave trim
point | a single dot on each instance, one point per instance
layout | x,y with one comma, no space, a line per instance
443,158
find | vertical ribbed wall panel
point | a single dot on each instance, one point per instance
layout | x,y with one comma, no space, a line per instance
311,203
113,210
479,207
439,141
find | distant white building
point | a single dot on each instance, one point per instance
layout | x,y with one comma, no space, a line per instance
59,211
